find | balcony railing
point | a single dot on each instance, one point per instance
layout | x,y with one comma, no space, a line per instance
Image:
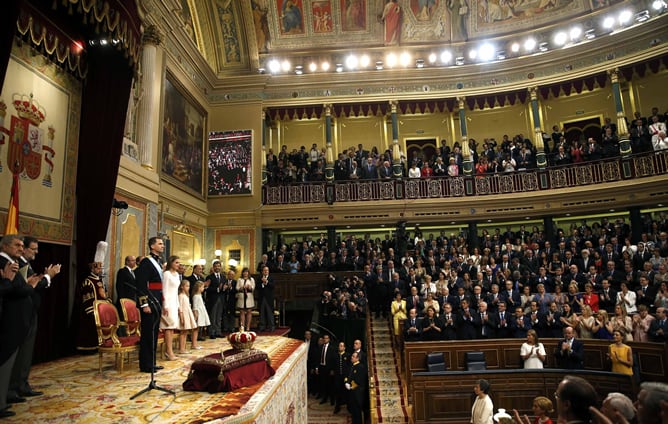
574,175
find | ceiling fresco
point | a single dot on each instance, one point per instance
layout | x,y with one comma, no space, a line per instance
234,36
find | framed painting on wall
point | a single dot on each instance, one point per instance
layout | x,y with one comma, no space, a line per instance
230,162
183,125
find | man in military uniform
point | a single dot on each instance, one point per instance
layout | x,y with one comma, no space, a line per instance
356,384
149,290
341,372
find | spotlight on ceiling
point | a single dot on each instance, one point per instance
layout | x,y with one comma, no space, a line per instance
530,44
500,55
432,58
274,66
339,67
325,66
515,47
560,38
299,69
446,56
405,59
364,61
419,63
608,22
659,5
261,70
590,34
543,47
351,62
285,65
391,60
575,33
459,61
642,16
312,66
486,52
379,65
625,17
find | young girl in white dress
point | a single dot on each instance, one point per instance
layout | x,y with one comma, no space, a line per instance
199,310
186,318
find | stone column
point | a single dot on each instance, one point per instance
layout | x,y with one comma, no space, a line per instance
622,130
467,163
149,103
541,160
397,169
329,166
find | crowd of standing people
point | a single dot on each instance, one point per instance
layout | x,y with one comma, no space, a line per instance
516,153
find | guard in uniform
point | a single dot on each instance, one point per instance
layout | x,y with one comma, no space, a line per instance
356,384
341,372
149,291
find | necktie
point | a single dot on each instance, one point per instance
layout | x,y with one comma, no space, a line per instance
502,316
324,351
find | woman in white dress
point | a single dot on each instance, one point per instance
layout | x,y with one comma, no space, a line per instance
245,299
170,304
532,351
483,408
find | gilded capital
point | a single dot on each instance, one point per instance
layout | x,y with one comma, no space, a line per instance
460,102
152,35
393,105
328,109
614,75
533,93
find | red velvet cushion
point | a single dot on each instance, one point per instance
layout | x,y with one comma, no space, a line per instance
107,313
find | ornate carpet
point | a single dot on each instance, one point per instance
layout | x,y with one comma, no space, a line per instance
390,400
76,392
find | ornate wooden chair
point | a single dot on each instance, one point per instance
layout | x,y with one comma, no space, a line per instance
107,323
131,316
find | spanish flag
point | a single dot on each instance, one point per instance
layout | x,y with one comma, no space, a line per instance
12,225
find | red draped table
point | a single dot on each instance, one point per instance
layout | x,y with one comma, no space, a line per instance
239,369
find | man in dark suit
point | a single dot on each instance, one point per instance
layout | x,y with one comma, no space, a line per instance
646,293
125,281
356,383
325,370
265,300
553,325
19,385
570,351
414,301
149,291
228,302
16,311
658,329
502,317
369,171
488,322
357,347
341,369
412,327
449,320
214,302
467,322
607,298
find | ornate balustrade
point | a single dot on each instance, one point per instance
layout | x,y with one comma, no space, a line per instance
570,176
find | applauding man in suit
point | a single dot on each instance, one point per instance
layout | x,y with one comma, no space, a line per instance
570,352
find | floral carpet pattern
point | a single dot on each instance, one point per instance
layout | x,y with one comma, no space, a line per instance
74,390
390,400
